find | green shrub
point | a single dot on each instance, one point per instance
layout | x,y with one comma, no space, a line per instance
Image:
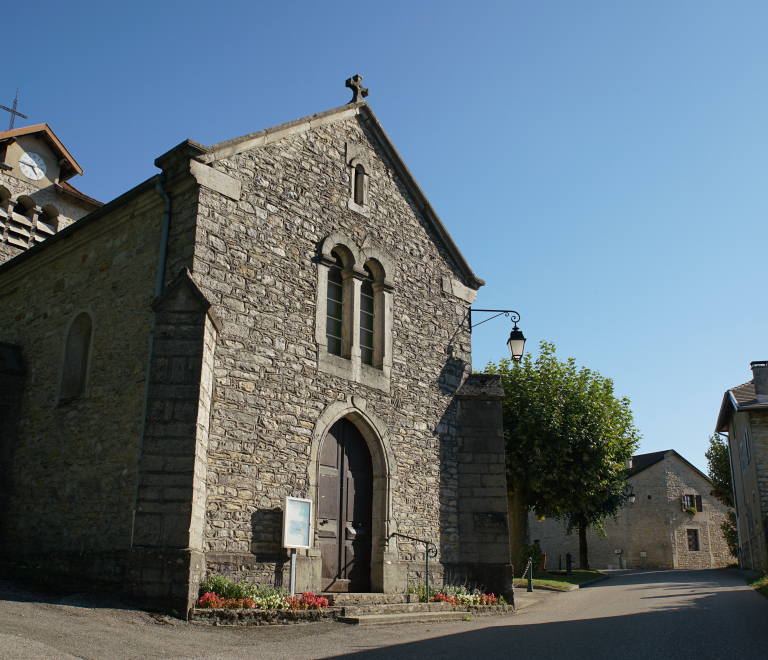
224,586
534,552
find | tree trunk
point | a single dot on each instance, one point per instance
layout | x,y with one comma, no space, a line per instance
518,528
583,553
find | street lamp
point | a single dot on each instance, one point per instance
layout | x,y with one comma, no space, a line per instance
516,344
516,341
631,498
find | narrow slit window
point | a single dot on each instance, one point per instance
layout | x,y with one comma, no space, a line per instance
359,185
335,309
366,319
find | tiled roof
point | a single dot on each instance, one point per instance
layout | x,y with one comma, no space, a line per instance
642,461
67,187
744,398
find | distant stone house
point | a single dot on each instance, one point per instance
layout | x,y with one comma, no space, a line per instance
744,418
656,531
282,314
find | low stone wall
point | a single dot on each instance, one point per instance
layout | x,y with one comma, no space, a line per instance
247,617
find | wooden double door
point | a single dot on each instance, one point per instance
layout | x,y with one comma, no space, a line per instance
344,510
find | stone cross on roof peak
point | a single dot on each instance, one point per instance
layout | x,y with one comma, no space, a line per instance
355,83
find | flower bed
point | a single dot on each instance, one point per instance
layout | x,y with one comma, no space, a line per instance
218,591
307,601
465,600
457,596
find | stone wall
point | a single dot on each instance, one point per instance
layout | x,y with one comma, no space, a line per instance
12,372
654,524
758,539
256,260
75,462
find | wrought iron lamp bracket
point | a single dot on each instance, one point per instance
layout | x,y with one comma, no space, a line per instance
498,312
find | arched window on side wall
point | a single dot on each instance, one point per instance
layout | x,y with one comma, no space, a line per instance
335,309
76,356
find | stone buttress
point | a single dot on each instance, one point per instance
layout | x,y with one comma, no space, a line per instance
166,561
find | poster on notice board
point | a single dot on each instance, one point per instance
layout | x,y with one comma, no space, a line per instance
297,523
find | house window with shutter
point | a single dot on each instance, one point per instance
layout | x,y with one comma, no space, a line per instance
688,501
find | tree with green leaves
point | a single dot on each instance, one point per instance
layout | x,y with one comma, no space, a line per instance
719,469
568,439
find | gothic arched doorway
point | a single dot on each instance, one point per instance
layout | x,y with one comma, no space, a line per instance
344,509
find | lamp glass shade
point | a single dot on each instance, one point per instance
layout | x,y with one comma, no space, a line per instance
516,344
631,498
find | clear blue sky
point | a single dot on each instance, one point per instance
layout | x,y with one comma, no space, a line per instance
602,165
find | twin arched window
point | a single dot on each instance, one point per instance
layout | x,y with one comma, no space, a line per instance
339,328
76,354
356,303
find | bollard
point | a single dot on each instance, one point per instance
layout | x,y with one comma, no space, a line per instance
568,563
530,576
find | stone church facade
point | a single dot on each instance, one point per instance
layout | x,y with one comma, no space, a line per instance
283,314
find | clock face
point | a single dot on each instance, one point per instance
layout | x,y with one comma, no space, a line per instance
32,166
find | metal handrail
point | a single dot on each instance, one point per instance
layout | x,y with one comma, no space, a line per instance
429,553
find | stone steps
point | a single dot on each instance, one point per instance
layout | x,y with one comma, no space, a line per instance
345,599
394,608
362,609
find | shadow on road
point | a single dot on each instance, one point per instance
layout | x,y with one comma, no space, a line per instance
708,624
27,592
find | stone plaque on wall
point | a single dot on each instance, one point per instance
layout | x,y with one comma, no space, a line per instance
490,520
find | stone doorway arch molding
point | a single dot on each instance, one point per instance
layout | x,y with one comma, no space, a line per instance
387,576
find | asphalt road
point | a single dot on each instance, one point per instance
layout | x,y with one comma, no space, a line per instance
644,615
